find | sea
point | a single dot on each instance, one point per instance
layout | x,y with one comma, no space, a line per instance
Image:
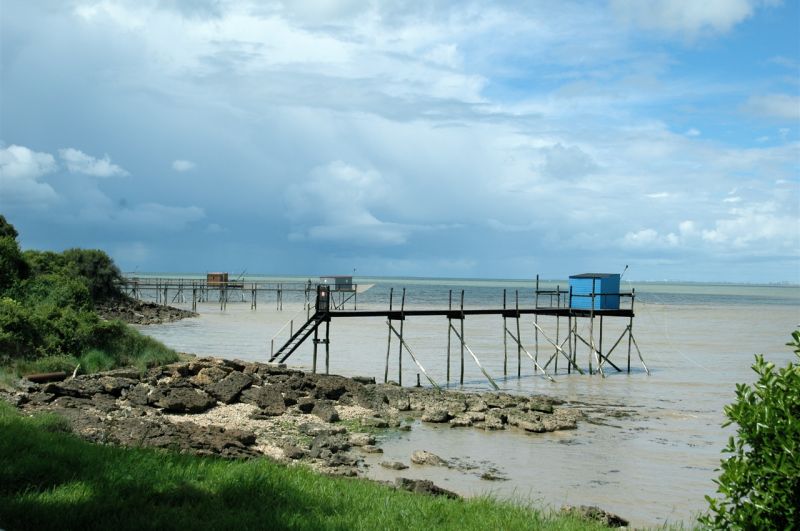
651,444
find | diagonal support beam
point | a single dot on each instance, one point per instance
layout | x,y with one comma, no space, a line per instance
413,357
559,349
474,357
598,354
535,363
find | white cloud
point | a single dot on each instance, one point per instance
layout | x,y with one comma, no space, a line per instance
782,106
20,169
182,165
567,162
685,17
692,132
79,162
336,203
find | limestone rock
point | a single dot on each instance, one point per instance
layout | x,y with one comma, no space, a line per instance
423,457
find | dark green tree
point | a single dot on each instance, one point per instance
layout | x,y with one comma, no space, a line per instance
97,269
13,267
760,481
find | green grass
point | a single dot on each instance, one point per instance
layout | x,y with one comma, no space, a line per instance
49,479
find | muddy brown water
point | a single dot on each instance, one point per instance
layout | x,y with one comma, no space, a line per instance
652,443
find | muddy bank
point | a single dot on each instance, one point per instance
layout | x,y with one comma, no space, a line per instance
234,409
132,311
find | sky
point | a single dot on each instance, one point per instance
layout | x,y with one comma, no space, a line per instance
437,139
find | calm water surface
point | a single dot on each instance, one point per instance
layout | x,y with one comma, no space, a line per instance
650,451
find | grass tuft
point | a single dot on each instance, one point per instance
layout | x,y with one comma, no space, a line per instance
51,480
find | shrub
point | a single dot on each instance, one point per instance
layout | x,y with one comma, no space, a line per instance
97,269
760,481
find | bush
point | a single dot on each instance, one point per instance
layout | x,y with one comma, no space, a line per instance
760,481
97,270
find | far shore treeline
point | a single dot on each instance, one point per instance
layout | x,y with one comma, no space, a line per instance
48,320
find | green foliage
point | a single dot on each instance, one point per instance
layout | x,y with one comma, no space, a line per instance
47,317
52,480
95,360
7,230
97,269
12,266
760,481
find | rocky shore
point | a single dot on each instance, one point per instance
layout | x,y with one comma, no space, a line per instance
136,312
235,409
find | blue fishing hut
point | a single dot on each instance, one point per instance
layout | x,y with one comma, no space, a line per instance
594,291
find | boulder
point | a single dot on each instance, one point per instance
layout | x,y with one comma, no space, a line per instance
182,399
394,465
325,411
268,399
436,414
423,457
227,389
361,439
587,512
423,486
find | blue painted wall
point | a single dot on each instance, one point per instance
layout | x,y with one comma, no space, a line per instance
604,285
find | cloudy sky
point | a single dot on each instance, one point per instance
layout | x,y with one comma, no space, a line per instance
457,139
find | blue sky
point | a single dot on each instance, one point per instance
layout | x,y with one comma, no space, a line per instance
455,139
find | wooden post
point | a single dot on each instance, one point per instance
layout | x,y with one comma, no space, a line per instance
569,341
316,344
600,343
519,338
505,338
449,326
461,380
194,298
630,330
536,322
555,368
389,340
400,349
327,345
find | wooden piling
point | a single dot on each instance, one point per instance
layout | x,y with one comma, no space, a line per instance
400,349
389,339
461,338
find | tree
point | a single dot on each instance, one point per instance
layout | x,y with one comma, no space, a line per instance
12,266
97,269
760,481
7,229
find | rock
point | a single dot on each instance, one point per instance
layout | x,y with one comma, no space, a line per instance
532,426
293,452
139,395
539,404
394,465
325,411
228,388
422,486
333,387
361,439
209,375
306,404
81,386
268,399
371,449
423,457
374,422
364,380
461,422
436,415
493,423
491,476
182,399
476,404
596,514
115,385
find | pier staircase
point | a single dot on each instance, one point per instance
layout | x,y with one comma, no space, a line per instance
299,336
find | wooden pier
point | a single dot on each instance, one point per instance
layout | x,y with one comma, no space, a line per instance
180,290
555,304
